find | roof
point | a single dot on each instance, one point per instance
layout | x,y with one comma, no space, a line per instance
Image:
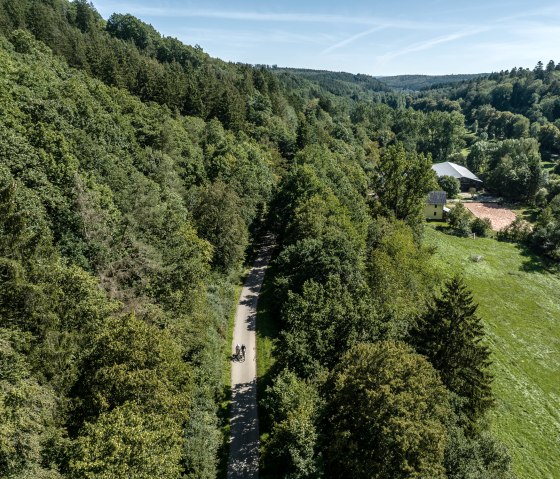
457,171
437,198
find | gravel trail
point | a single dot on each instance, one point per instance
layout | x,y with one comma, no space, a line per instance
244,442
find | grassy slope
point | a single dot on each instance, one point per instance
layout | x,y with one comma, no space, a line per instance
520,306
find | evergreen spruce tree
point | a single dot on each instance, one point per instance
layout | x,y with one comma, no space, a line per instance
451,336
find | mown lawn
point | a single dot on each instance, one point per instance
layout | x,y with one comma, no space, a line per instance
520,305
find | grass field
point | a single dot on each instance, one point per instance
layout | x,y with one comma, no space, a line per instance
520,305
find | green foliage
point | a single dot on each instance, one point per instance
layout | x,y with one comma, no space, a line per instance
442,135
451,336
499,125
131,361
96,217
322,323
459,219
291,449
120,218
385,413
399,276
518,231
449,184
481,226
218,220
512,168
29,432
480,456
546,235
420,82
549,139
127,441
400,183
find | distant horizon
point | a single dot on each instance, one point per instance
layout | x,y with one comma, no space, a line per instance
432,38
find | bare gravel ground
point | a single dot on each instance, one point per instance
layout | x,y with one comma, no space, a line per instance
499,215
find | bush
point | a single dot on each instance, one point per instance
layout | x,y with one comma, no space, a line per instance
481,226
459,218
517,232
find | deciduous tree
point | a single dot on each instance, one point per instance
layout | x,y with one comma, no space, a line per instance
386,415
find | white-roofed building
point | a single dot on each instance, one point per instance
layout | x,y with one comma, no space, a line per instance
466,177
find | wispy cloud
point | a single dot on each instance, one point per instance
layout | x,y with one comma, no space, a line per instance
430,43
262,16
547,12
250,37
352,39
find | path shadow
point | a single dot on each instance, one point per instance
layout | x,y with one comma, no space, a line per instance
243,460
251,322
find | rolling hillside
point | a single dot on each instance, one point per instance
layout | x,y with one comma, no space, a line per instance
420,82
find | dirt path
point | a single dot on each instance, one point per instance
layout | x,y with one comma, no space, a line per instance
244,442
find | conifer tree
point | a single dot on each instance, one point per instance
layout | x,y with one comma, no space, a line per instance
451,336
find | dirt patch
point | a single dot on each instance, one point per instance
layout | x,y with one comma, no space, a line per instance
499,216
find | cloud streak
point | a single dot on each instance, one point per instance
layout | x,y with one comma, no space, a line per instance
255,16
430,43
352,39
249,37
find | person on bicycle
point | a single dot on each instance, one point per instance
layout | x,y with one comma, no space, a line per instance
243,350
237,349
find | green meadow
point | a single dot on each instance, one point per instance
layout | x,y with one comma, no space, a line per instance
519,301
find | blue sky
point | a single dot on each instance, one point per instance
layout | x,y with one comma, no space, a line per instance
378,38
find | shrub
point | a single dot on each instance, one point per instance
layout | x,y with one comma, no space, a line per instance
481,226
459,218
517,232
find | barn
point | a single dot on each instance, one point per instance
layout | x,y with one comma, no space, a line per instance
466,177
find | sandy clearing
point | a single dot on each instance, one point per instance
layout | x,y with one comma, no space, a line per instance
499,215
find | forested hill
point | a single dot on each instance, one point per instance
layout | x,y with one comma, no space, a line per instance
358,86
421,82
137,172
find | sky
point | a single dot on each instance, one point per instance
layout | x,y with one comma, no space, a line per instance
390,37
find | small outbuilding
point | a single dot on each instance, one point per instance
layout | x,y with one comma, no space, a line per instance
435,205
467,178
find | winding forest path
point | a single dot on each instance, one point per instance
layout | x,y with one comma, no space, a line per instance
244,442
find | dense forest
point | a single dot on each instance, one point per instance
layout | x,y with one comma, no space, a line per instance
137,172
423,82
